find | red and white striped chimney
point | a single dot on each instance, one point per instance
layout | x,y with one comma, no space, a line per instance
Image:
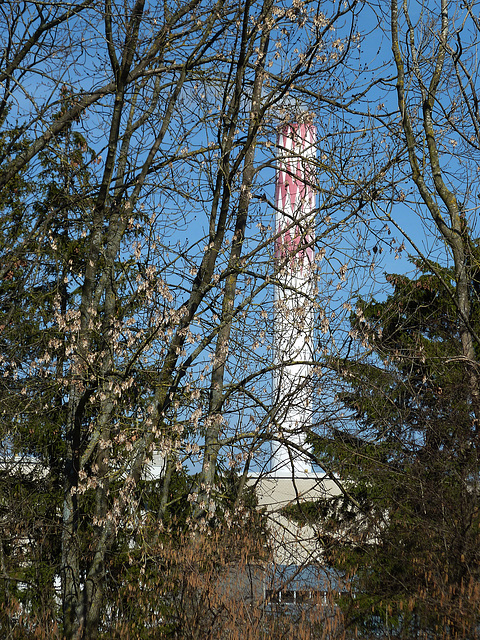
294,294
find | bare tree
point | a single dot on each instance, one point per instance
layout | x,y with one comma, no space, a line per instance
139,141
406,446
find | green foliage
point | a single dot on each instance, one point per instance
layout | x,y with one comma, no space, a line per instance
42,249
409,459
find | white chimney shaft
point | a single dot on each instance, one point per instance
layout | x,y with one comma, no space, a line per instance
294,293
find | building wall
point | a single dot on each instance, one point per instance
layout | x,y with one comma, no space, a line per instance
292,544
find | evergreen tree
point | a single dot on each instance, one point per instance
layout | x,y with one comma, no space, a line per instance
409,459
42,249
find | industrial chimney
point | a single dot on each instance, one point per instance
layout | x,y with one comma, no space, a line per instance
294,295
